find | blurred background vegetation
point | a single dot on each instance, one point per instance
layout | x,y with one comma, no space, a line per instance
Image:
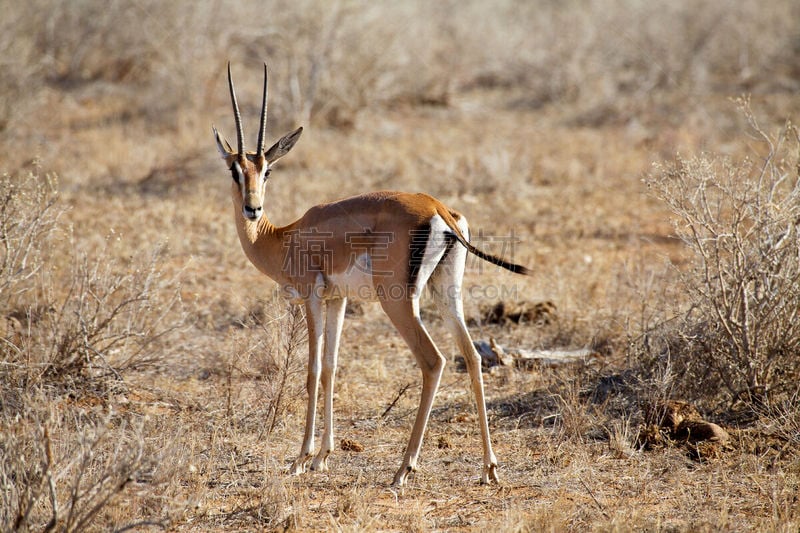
608,60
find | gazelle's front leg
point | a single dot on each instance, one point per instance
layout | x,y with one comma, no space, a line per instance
314,320
334,318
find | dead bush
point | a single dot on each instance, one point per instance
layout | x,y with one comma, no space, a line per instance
740,220
59,468
80,330
74,325
270,349
28,214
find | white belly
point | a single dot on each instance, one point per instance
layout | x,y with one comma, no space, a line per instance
354,283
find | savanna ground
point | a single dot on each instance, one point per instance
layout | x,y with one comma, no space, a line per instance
152,380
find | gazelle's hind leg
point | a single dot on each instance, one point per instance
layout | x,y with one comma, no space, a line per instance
404,314
445,284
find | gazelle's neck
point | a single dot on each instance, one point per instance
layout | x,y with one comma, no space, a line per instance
260,241
251,232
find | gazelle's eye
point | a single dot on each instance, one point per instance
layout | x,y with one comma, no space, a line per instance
266,173
235,174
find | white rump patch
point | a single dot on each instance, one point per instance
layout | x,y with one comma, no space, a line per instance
434,250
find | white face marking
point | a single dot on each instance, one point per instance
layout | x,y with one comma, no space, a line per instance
242,187
236,170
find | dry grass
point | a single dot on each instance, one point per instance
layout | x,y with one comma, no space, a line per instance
151,379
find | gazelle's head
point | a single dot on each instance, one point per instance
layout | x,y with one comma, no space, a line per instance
250,170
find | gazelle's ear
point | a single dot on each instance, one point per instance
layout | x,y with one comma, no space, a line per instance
282,147
223,146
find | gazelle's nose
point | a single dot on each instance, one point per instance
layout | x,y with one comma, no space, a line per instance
252,213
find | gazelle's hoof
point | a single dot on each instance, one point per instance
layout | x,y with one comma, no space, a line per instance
320,463
299,466
489,474
402,475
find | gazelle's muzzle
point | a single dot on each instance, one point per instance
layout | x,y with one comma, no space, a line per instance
251,208
251,213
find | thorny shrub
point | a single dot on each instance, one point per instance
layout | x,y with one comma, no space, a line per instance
740,336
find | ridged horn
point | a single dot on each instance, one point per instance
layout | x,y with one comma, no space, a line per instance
237,116
262,127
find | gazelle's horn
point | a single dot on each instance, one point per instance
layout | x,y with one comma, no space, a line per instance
262,127
236,116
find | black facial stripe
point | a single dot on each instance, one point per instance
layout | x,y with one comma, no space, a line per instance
236,172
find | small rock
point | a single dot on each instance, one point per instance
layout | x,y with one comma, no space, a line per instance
700,430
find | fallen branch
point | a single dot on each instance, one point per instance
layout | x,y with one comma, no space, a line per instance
492,354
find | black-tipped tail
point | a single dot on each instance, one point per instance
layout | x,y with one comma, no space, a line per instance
499,261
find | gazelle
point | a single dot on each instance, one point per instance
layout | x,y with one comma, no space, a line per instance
381,245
